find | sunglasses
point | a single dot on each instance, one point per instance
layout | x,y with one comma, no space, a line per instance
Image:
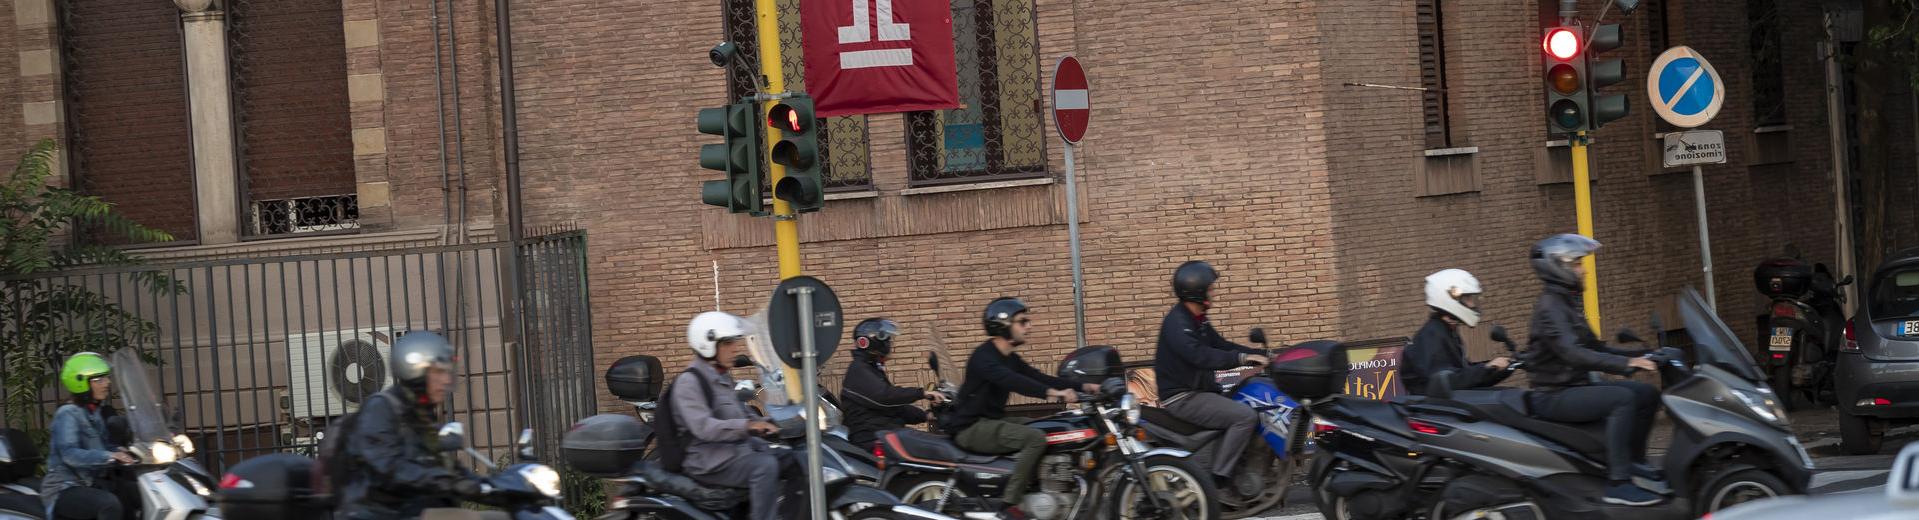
1024,321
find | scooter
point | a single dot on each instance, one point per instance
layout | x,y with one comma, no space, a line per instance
19,489
1803,328
1478,453
1264,469
171,485
279,486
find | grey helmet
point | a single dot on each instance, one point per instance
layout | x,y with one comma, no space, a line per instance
417,352
1553,256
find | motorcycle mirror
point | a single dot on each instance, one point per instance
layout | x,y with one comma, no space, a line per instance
1627,336
933,360
1258,336
526,444
743,361
1499,334
452,436
747,390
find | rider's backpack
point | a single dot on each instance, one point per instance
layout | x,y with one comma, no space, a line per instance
670,441
333,467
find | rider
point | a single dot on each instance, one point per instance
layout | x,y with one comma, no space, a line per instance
979,422
873,404
1189,353
394,435
74,486
725,447
1453,296
1561,356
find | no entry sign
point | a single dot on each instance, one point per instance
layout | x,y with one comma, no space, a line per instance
1071,108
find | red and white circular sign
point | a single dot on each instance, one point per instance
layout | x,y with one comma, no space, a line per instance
1071,109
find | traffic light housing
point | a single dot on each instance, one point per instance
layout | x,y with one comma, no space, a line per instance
1602,73
799,151
738,155
1564,65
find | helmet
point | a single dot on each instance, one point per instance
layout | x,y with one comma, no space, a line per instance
1551,256
999,316
1193,281
875,336
1444,290
708,329
80,368
418,352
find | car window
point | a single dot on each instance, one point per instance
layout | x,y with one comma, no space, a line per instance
1896,295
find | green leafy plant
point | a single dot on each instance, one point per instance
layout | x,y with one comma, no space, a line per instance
42,319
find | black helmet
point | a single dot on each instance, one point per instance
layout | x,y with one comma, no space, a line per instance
875,336
417,352
1551,256
1193,281
999,316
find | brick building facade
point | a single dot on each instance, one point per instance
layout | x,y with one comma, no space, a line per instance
1225,131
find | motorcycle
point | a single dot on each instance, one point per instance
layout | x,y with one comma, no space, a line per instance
1093,467
280,486
19,489
1477,453
1803,327
171,486
1260,483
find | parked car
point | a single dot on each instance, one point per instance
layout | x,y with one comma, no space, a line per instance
1877,378
1899,501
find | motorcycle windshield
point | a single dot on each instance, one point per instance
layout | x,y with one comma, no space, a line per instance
140,398
1713,342
946,370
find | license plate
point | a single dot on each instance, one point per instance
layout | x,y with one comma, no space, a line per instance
1781,342
1910,328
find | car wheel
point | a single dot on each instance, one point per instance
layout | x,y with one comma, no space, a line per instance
1859,435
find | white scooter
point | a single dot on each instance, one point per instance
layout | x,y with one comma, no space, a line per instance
171,486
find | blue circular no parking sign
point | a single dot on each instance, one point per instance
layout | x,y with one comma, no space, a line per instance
1684,88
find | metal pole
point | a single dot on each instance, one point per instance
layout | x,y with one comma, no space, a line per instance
786,230
810,378
1705,239
1583,205
1072,233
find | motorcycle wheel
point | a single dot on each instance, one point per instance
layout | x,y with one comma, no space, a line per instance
876,514
1859,435
922,491
1738,486
1782,386
1176,480
1275,474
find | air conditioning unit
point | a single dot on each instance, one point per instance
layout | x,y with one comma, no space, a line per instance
333,372
306,214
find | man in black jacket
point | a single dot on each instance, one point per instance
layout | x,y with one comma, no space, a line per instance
993,373
1563,352
393,436
1453,296
873,404
1189,354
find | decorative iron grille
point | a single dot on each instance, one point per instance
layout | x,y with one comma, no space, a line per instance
997,132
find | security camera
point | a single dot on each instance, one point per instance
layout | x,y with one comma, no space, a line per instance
723,53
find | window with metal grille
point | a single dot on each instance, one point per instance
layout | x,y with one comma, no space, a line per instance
997,133
1768,71
844,155
1432,74
128,138
295,136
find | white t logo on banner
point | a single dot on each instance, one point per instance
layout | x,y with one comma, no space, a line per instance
862,31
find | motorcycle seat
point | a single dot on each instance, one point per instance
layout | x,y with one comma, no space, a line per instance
1164,418
1379,414
704,496
926,447
1508,407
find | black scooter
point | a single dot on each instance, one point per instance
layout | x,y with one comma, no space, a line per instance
1802,329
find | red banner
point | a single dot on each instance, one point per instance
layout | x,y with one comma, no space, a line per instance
879,56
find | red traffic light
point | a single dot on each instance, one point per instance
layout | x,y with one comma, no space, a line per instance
1562,43
789,117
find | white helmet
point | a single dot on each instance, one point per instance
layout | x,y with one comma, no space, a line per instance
1445,288
710,328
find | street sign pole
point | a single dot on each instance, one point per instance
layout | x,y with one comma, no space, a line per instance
1705,239
1687,92
1072,234
1583,206
1071,110
810,378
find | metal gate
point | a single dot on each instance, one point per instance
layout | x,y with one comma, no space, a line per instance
256,355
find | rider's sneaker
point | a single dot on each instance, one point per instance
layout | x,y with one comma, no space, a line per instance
1631,495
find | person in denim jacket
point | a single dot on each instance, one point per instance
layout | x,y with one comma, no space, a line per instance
81,455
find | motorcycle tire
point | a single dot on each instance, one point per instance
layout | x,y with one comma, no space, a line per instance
920,490
1735,486
876,514
1123,502
1789,395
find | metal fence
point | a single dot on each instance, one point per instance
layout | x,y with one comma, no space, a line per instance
256,355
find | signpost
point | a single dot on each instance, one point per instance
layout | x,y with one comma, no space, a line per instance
1686,91
1071,110
804,320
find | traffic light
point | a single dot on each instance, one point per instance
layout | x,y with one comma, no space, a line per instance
799,152
1565,72
738,155
1602,73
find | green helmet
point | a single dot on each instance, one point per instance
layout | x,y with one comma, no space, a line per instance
80,368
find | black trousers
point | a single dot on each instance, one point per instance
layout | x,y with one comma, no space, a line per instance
1627,407
85,503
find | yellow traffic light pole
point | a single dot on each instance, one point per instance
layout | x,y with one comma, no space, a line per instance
786,230
1583,206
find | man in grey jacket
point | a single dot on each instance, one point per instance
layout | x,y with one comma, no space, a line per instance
724,447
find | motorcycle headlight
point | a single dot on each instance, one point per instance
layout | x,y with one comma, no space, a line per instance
1763,404
162,453
543,479
185,444
1130,405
